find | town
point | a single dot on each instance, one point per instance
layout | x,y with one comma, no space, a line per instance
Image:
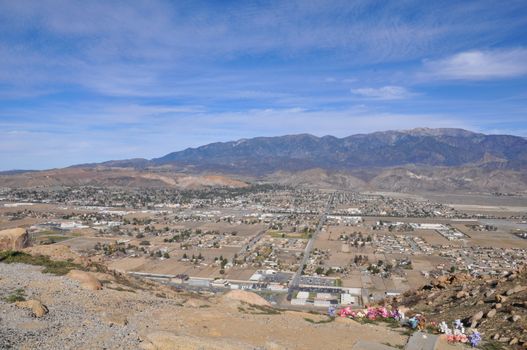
297,247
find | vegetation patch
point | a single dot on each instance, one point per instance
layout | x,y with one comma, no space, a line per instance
259,310
18,295
120,289
50,266
328,320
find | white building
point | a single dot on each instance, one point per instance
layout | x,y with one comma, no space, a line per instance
298,301
322,303
348,299
302,295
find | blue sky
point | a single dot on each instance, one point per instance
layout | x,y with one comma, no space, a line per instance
88,81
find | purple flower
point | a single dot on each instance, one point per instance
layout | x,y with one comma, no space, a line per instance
474,338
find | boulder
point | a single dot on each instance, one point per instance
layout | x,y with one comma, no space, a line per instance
86,279
246,297
491,313
461,294
38,309
14,239
501,298
477,316
515,290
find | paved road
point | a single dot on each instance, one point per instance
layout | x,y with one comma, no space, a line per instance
293,284
252,242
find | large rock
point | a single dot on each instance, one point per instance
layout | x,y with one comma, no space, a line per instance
246,297
14,239
86,279
515,290
38,309
461,294
501,298
477,316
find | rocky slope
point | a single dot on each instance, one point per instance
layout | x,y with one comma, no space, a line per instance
113,176
497,307
94,308
410,179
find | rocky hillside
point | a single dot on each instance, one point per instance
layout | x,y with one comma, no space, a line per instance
47,302
52,309
497,307
410,179
115,176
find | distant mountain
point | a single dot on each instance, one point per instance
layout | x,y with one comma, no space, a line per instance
16,172
413,160
422,147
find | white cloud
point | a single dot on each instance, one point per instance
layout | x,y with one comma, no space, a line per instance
480,65
384,93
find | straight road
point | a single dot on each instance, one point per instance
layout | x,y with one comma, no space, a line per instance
252,242
293,284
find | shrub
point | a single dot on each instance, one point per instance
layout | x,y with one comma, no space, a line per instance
17,295
50,266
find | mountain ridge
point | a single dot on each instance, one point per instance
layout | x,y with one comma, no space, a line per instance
418,159
421,146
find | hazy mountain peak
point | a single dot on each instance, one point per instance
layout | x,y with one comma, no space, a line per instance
420,146
455,132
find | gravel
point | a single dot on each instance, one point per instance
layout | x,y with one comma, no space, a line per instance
71,322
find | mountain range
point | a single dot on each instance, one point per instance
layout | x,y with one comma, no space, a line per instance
430,147
423,158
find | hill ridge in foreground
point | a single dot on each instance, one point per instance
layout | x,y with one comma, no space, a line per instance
121,317
494,305
62,311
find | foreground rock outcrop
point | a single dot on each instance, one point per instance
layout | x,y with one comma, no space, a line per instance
246,297
37,308
14,239
495,306
87,280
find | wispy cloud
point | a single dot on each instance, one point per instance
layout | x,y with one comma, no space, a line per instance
384,93
61,137
92,80
140,48
480,65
